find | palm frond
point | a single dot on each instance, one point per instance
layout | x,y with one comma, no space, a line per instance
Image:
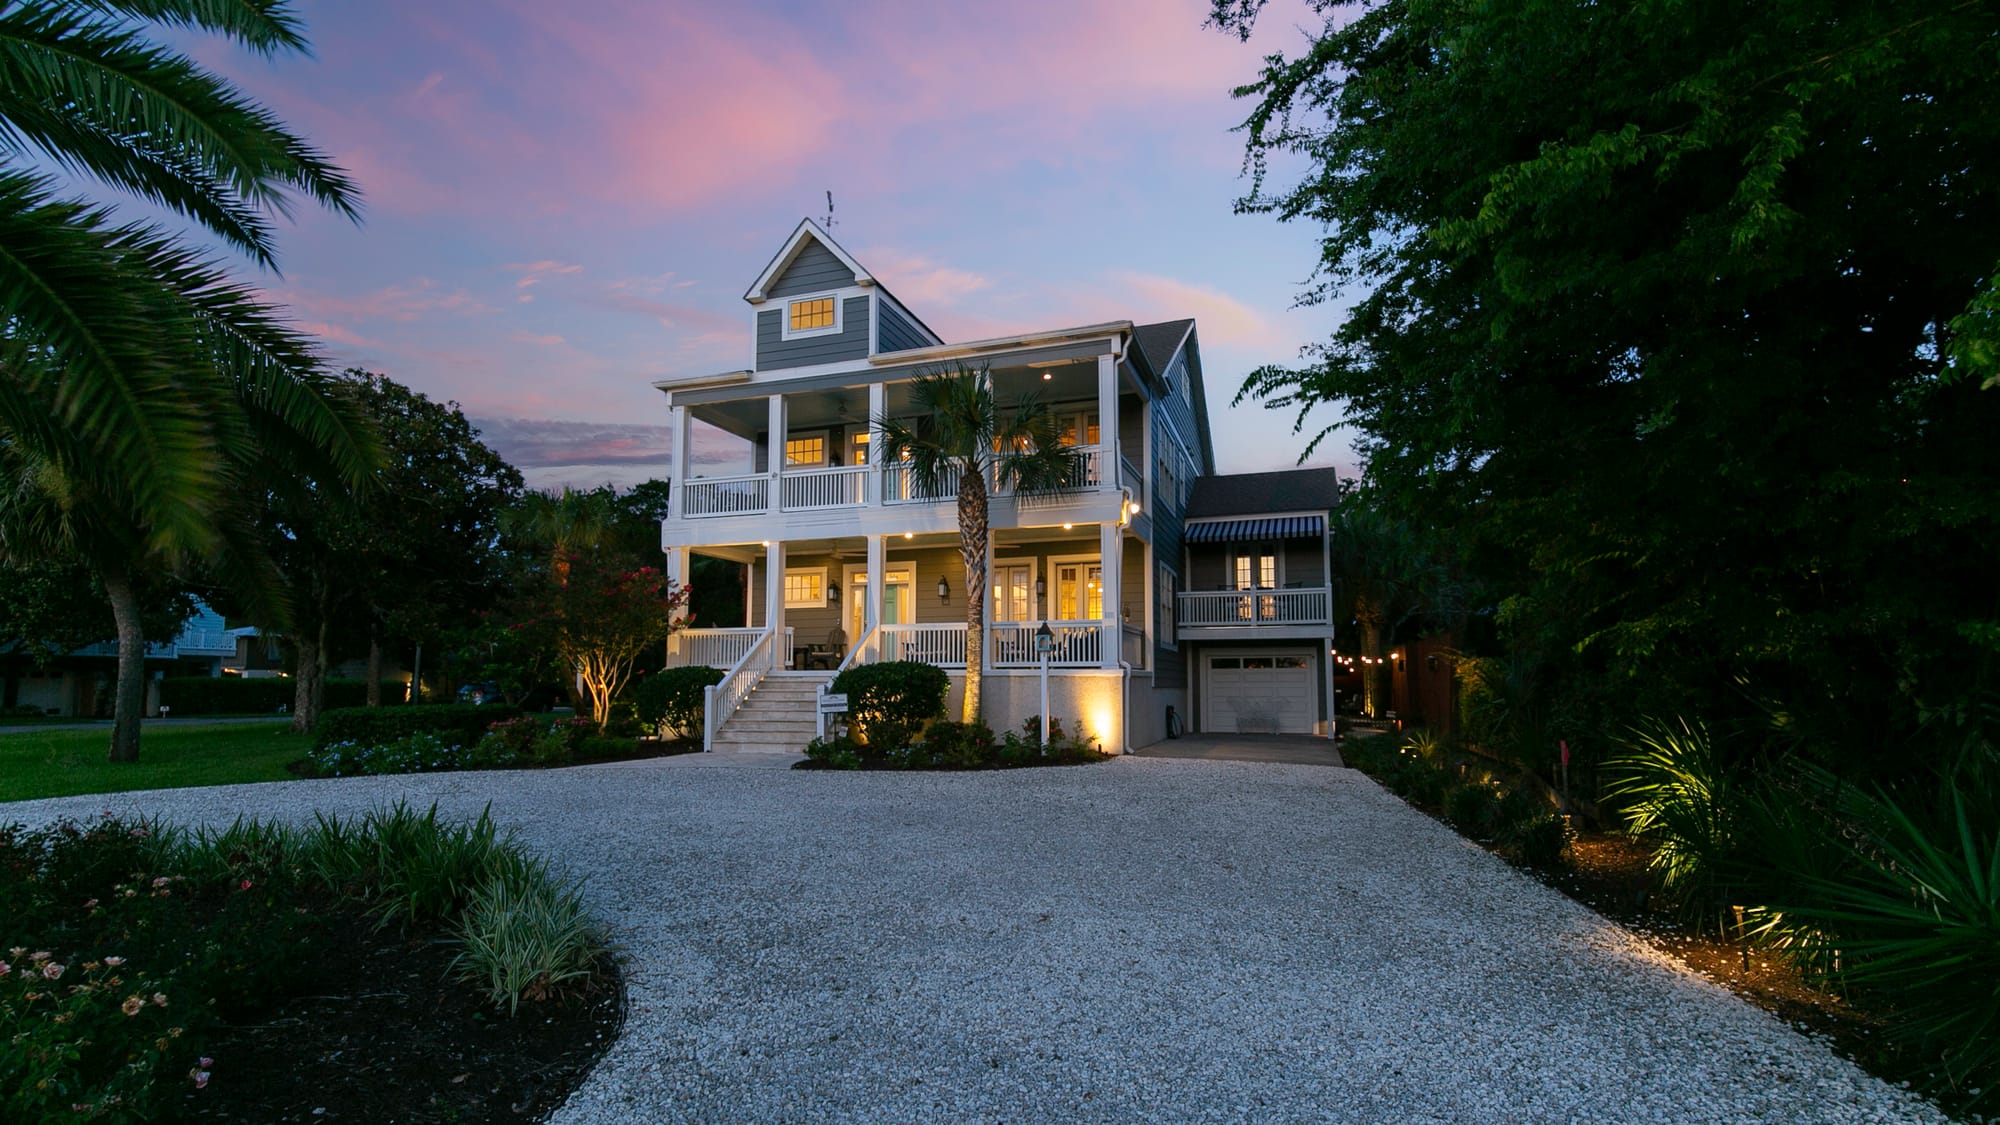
268,27
175,116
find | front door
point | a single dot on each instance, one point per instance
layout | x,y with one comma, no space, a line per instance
898,602
1079,592
1014,592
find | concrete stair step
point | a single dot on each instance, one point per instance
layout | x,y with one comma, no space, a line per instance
779,727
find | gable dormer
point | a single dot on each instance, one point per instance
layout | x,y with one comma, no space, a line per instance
814,302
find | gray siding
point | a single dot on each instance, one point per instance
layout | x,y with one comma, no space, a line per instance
814,270
775,352
896,332
1209,563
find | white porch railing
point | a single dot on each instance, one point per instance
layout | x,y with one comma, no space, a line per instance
205,644
726,496
720,701
864,651
804,490
1255,607
1078,644
717,648
900,485
942,645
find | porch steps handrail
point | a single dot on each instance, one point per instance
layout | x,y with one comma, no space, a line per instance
720,701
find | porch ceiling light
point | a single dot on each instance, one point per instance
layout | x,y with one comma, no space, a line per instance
909,535
1047,375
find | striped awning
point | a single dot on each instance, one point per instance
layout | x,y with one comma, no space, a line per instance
1238,531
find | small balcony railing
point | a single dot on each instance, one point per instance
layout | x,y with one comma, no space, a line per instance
1236,608
726,496
806,490
203,643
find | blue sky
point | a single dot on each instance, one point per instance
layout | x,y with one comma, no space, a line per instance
562,208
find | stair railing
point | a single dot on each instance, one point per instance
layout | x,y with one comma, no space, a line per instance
863,651
720,701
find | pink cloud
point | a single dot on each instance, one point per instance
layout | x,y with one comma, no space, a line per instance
533,273
405,302
532,338
920,282
335,333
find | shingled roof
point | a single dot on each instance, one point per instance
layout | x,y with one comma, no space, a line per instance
1246,494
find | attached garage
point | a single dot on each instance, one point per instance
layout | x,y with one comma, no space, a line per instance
1262,691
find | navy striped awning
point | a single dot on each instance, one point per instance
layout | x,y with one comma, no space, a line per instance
1238,531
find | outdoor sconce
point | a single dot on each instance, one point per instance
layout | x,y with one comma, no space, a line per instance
944,592
1041,588
833,593
1431,662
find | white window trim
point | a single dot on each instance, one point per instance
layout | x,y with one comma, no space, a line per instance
825,452
1034,565
785,331
1056,563
808,604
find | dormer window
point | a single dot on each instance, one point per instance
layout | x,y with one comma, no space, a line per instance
812,316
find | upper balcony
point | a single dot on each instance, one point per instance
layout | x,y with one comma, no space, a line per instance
736,484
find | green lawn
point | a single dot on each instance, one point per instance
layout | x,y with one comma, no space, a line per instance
61,763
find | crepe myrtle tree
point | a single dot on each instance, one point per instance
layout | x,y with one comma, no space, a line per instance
962,438
601,618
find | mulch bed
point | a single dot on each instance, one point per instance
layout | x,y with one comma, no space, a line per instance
1607,872
395,1039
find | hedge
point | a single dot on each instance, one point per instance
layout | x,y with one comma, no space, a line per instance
373,726
676,697
235,695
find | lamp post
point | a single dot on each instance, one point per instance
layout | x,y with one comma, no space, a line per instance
1045,642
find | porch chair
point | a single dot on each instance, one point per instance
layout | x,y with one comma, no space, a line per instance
830,654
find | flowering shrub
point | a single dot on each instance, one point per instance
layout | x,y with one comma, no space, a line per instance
514,742
85,1041
958,746
416,753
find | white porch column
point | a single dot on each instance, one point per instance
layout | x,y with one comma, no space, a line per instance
1107,421
1110,564
677,568
683,452
878,407
878,550
774,461
774,592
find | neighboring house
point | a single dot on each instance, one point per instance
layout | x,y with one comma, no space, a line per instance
80,682
1166,586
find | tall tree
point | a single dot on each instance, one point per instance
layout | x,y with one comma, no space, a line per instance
148,391
1674,319
961,438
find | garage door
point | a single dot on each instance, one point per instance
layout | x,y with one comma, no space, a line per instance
1265,692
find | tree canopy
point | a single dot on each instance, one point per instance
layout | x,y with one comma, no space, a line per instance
1672,320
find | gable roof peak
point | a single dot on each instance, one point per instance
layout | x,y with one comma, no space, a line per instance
806,231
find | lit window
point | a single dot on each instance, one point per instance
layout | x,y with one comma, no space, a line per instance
805,450
812,314
805,589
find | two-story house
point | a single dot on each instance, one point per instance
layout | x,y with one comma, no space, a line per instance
1167,588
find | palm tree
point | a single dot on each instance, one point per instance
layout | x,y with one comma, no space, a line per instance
961,438
568,523
145,393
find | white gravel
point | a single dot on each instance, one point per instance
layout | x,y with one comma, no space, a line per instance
1140,941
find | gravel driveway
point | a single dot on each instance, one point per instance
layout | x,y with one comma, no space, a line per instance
1140,941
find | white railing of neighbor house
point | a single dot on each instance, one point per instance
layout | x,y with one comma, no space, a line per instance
1255,607
942,645
720,701
1078,644
726,496
843,486
717,648
864,651
205,644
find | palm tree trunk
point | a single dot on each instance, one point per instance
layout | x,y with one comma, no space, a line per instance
1373,696
972,536
129,701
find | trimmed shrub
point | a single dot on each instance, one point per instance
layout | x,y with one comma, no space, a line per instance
891,702
839,752
373,726
1539,842
235,695
1472,808
674,701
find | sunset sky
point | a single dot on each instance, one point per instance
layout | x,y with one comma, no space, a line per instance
566,203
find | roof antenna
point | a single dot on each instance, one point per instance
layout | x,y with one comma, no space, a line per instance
829,211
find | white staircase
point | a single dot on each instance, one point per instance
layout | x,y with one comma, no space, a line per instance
779,717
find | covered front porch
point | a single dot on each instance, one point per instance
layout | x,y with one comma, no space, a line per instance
865,599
